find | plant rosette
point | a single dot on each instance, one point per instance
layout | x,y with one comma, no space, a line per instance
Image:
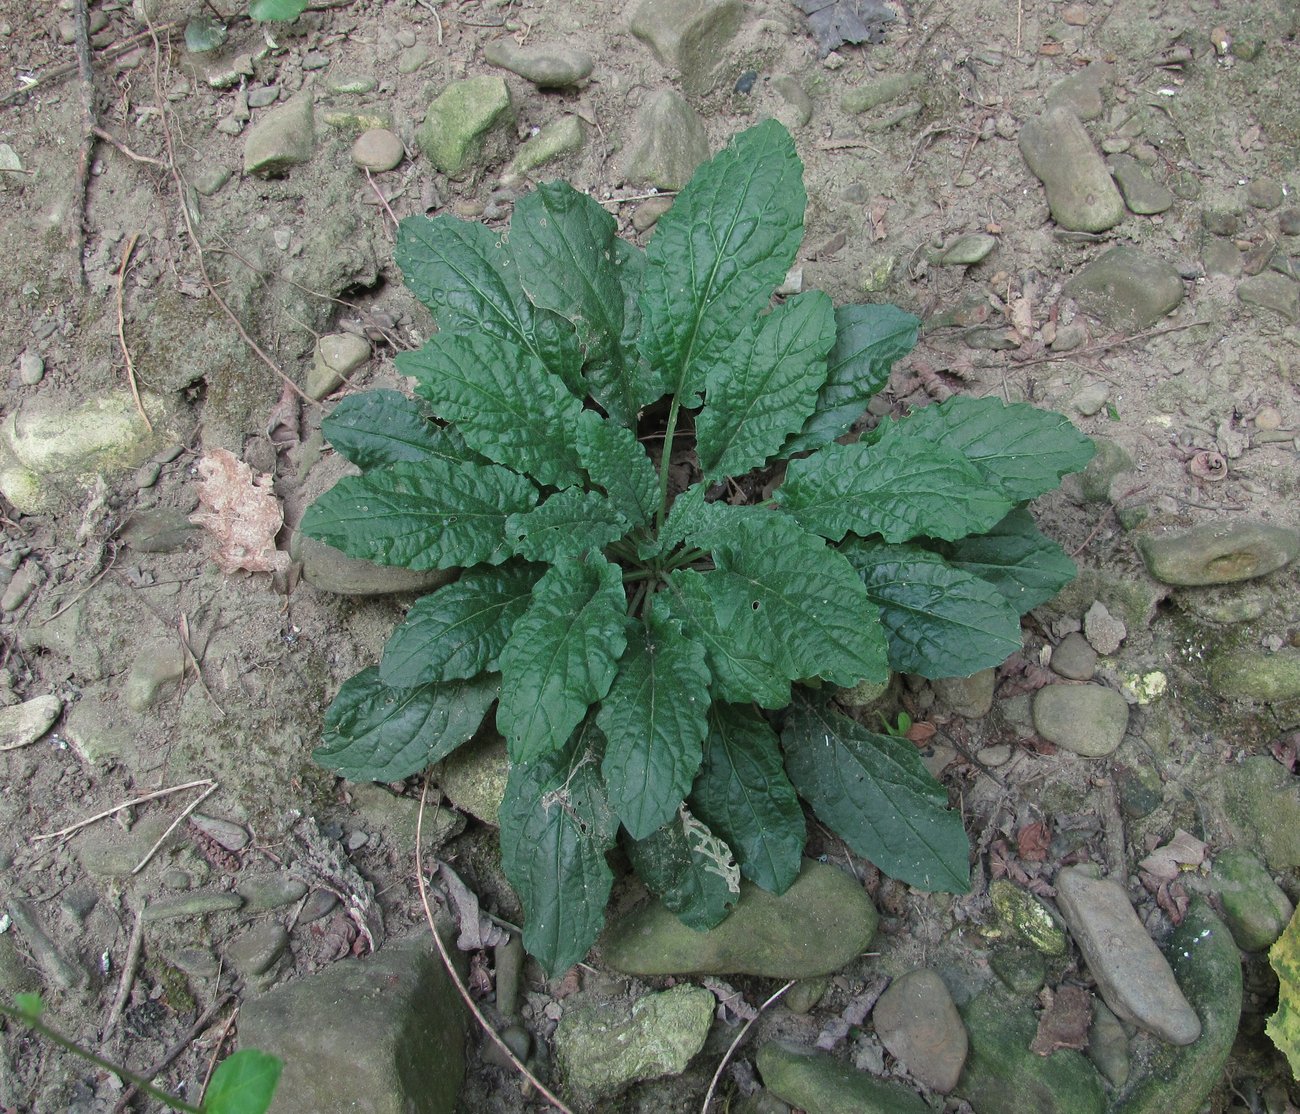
671,554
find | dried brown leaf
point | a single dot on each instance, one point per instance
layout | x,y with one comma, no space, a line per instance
241,512
1064,1023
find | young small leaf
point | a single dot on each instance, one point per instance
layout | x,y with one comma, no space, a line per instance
653,719
717,255
897,487
1021,451
503,401
244,1083
458,630
428,514
742,793
562,655
762,389
29,1005
689,869
568,524
462,271
555,829
375,428
941,621
1027,568
377,733
876,794
278,11
868,339
616,463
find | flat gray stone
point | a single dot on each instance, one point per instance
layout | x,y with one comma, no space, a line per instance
691,37
283,138
473,777
1270,676
1142,193
1080,192
377,149
1131,974
1262,804
1103,631
256,951
22,724
818,1081
1272,291
468,126
155,672
193,903
1081,92
817,926
666,144
966,251
263,892
336,357
546,65
330,570
1218,553
555,140
917,1021
1127,289
1089,720
1074,658
971,697
1254,906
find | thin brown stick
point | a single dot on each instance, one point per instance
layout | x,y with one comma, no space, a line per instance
129,966
160,1065
121,330
113,141
382,199
455,975
172,827
1119,342
118,808
713,1083
89,124
216,1051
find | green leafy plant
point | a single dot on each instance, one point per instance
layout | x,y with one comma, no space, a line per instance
670,554
244,1082
276,11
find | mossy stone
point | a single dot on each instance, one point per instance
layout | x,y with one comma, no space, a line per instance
469,125
817,1081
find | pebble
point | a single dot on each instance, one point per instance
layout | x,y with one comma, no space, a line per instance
413,58
1090,398
797,108
1288,221
1028,918
22,724
378,149
353,85
270,891
1080,191
1108,1044
1088,720
196,903
263,96
820,1082
331,570
318,904
1254,906
970,697
255,952
1265,193
546,65
991,757
1127,288
337,356
1074,658
1257,674
1271,291
1020,970
1218,553
691,38
649,212
157,667
966,251
233,837
919,1024
470,124
22,584
1069,337
283,138
31,369
1131,974
1082,92
555,140
666,144
315,61
1102,629
1221,257
1142,193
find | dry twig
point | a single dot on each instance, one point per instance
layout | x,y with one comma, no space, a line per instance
129,966
89,126
159,1066
121,330
207,781
713,1083
172,827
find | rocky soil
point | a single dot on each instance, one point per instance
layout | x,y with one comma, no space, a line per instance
1091,206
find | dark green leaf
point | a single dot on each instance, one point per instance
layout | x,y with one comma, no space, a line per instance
204,32
459,630
875,793
717,255
1020,450
244,1083
278,11
503,401
564,245
941,621
653,719
689,869
1027,568
743,794
868,339
555,829
377,733
692,516
763,387
463,272
567,525
616,463
375,428
897,487
562,655
429,514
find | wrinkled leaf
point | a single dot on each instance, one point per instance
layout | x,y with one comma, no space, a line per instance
562,655
567,525
376,733
689,869
555,829
459,630
429,514
653,719
1027,568
1283,1026
244,1083
375,428
940,621
241,512
742,793
875,793
616,463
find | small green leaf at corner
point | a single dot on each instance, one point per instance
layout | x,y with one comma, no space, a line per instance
244,1083
29,1005
276,11
1112,412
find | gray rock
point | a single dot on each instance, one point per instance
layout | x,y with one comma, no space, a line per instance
1109,461
1271,291
1262,804
966,251
1217,553
666,144
263,96
399,1002
555,140
546,65
210,179
971,697
1127,289
917,1021
330,570
157,668
194,903
1026,917
647,214
796,107
282,139
1254,906
1142,194
22,724
1288,221
377,149
883,90
1089,720
1103,631
264,892
1221,257
473,777
1021,970
603,1045
224,833
468,126
1256,674
1108,1044
337,356
1080,191
158,530
413,58
1265,193
1131,974
352,85
1074,658
817,1081
255,951
689,36
817,926
31,369
1081,92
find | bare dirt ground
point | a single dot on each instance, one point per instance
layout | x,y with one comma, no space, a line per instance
120,592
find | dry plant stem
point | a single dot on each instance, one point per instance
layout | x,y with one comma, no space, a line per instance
124,805
713,1083
1075,353
382,199
172,827
159,1066
134,156
129,966
436,17
89,125
121,331
455,976
216,1050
